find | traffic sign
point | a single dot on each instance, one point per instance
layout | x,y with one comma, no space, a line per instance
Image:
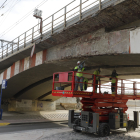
4,84
33,49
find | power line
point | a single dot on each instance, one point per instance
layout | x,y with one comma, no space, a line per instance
7,4
11,7
15,24
3,4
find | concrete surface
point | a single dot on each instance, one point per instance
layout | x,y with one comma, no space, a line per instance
44,116
33,117
35,73
58,131
112,15
31,105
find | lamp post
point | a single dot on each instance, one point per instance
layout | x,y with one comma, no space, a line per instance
38,14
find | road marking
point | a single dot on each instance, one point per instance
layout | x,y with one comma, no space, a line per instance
4,124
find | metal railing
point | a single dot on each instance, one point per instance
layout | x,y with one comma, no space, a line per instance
68,15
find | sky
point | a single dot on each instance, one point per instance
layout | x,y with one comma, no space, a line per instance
14,10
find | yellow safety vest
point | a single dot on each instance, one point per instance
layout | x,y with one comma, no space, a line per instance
114,79
96,72
79,70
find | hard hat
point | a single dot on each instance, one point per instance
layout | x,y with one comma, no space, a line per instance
78,62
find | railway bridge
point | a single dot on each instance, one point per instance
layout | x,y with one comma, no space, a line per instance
103,33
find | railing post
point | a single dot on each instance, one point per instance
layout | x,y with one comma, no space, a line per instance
53,81
99,86
52,23
32,34
73,81
80,16
94,83
7,51
65,11
121,87
42,28
116,86
18,44
2,53
100,7
12,46
134,88
24,39
2,49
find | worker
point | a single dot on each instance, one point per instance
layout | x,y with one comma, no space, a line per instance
96,73
85,81
79,76
113,78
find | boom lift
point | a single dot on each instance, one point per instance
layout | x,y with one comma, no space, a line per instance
101,111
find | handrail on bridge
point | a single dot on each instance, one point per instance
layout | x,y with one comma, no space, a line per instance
50,25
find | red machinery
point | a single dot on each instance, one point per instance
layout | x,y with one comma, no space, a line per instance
101,103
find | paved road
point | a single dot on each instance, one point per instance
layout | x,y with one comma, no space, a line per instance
57,131
34,126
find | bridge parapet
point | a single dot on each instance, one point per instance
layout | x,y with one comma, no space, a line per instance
74,12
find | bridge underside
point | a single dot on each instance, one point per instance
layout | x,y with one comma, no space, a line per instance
36,83
116,16
82,41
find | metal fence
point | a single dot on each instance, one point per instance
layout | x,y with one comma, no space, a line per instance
68,15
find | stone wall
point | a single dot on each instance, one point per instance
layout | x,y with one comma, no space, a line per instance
65,100
30,105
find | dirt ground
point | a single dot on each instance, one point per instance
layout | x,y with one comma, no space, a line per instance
67,134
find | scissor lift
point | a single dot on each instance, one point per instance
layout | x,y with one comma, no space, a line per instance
101,111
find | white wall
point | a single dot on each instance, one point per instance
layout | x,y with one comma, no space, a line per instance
135,41
66,100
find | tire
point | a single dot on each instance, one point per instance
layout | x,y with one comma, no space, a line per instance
104,130
131,126
76,123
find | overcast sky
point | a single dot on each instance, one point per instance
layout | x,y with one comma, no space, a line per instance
14,10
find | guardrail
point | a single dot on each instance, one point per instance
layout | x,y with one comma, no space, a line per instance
54,23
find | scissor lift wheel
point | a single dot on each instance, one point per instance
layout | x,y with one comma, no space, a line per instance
104,130
131,126
76,123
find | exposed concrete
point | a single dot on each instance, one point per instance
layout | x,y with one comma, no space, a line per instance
64,57
116,15
31,105
65,100
95,43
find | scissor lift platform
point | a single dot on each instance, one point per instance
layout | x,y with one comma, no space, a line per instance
98,105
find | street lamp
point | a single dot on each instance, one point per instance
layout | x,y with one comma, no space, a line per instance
38,14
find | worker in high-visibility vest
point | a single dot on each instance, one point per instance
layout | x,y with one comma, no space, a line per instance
79,76
114,80
85,81
96,73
